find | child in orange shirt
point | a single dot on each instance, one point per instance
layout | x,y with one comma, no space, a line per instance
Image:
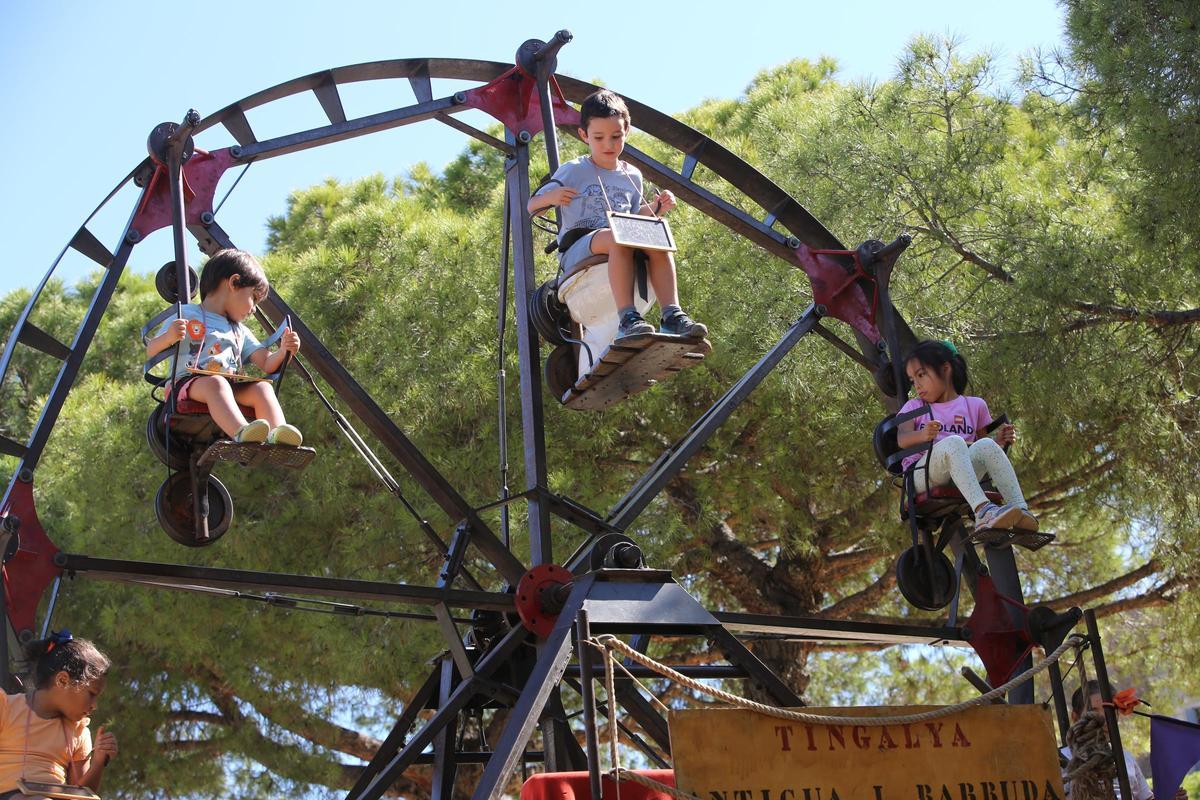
44,734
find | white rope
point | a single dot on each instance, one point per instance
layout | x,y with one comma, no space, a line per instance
654,700
613,645
610,690
620,774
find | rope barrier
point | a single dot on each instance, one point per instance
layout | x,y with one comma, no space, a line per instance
612,643
1092,769
1088,747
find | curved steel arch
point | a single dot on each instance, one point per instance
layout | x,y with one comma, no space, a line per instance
178,190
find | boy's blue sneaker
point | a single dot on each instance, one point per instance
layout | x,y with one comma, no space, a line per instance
681,324
632,324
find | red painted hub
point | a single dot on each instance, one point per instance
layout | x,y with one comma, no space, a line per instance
839,286
540,579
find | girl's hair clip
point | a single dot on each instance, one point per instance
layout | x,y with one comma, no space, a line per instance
950,346
57,638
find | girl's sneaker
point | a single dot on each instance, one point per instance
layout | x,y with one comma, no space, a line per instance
994,517
253,432
285,434
1027,521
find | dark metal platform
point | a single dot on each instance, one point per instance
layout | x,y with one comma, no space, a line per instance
258,454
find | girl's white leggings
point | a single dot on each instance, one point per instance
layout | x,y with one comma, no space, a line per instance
953,461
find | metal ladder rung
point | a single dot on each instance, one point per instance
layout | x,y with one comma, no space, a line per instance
10,448
239,128
86,243
31,335
421,85
331,102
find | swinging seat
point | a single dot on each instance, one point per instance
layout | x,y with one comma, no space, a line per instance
590,369
192,506
931,508
191,420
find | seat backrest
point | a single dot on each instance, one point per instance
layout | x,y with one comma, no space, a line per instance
883,440
579,266
148,332
886,444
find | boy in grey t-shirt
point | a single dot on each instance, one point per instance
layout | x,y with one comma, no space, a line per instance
588,187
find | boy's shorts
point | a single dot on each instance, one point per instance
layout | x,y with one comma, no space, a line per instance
581,249
180,388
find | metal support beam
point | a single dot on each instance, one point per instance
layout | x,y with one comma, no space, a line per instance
184,576
585,657
385,429
672,461
1060,703
395,737
445,765
541,550
543,678
739,654
819,629
387,773
70,367
1106,694
328,134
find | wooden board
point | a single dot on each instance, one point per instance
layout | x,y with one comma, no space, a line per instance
58,791
235,377
256,454
992,752
631,365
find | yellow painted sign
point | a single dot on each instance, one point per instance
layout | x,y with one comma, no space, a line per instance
994,752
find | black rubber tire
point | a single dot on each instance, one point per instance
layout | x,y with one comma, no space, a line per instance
560,370
175,454
173,507
913,580
167,284
550,317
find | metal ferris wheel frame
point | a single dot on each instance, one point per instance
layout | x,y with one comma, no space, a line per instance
496,662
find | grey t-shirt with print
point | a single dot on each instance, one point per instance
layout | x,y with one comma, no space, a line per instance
213,342
622,185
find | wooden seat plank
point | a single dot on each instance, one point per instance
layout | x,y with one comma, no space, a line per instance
633,365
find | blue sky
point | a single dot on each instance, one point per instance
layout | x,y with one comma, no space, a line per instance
86,82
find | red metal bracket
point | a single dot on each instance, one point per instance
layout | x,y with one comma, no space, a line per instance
1000,642
840,289
200,176
512,98
31,569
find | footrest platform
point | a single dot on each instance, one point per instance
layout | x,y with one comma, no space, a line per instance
633,364
257,454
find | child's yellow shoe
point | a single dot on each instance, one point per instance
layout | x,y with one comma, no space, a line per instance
285,434
254,432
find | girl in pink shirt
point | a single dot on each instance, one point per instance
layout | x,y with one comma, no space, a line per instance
959,456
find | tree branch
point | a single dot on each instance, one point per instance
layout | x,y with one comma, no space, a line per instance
842,565
864,598
1105,589
1130,314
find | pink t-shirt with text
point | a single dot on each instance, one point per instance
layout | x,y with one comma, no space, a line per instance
963,416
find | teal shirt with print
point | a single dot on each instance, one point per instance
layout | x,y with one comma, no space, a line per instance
212,342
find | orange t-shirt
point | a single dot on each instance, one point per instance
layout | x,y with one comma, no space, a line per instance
51,744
